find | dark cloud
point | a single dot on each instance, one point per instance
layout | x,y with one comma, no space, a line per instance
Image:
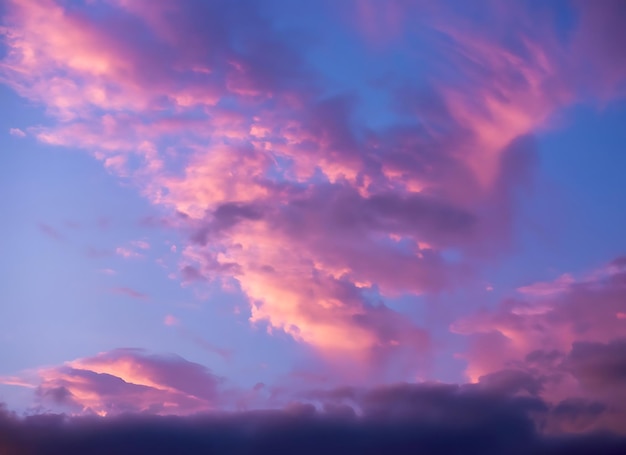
403,419
577,415
599,366
224,217
512,381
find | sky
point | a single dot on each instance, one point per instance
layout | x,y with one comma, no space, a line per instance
363,219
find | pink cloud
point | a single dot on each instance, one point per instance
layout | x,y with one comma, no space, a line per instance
117,164
548,333
141,244
129,380
16,381
127,253
17,132
318,219
107,271
170,320
561,284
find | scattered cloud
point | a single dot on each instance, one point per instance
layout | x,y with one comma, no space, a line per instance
170,320
108,271
561,284
141,244
17,132
127,253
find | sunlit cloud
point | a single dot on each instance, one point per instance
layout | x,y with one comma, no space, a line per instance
349,204
128,380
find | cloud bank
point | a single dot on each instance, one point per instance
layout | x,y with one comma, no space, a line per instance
401,419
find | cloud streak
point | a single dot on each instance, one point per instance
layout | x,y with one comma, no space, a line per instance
130,292
17,132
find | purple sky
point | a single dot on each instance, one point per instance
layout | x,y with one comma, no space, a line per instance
229,205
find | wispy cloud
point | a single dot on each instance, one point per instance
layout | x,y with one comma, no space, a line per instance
170,320
50,232
127,253
130,292
108,271
17,132
141,244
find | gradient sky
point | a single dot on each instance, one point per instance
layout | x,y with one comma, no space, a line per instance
224,205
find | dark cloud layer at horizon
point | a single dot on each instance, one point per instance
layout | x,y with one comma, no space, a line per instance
401,419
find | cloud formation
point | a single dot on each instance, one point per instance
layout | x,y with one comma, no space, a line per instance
215,113
17,132
569,339
128,381
399,419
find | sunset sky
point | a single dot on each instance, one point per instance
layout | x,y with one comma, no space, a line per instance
313,206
